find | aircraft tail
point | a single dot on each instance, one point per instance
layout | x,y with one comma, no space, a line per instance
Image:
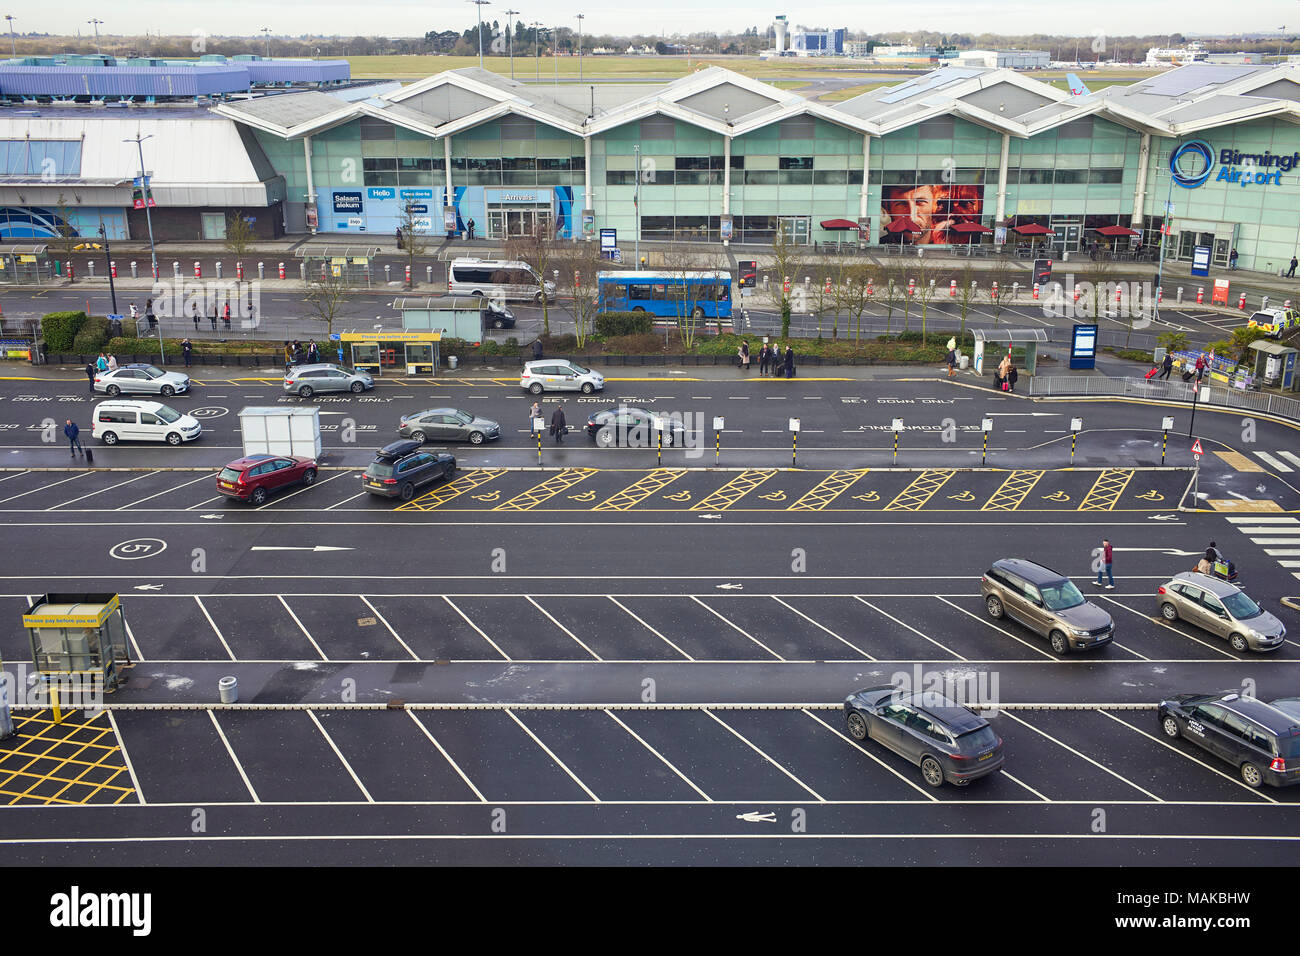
1076,85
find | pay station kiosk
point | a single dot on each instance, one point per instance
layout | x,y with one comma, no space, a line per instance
405,353
79,639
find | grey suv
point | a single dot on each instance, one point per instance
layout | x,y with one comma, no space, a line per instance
306,380
946,740
1222,609
1046,602
1261,740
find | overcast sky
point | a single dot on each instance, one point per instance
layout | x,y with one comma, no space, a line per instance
415,17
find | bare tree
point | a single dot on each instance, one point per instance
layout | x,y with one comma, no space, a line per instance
539,251
65,236
999,282
788,261
581,265
326,290
239,232
926,287
891,293
967,293
692,299
852,292
414,233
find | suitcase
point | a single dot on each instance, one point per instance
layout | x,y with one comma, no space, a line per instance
1006,386
1188,376
1153,373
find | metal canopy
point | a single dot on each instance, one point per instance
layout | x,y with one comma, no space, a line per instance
1273,348
1010,336
439,303
337,252
24,250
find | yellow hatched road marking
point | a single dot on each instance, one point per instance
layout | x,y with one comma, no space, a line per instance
457,486
1106,490
1011,494
16,764
921,490
734,490
827,490
548,489
640,490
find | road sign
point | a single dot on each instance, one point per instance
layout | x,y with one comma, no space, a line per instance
616,255
1196,448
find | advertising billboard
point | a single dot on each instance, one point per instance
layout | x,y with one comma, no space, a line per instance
934,210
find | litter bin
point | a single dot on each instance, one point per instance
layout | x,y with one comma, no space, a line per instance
451,361
963,361
228,687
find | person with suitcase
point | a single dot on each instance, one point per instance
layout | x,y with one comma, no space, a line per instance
1166,366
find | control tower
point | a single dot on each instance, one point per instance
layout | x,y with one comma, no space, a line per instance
781,27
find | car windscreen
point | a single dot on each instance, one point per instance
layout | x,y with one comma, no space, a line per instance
380,469
152,371
463,417
579,369
1061,596
979,739
1241,607
168,414
230,474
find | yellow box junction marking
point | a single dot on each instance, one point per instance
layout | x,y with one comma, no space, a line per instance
920,491
548,489
457,486
734,490
827,490
1236,504
38,737
640,490
1013,491
1240,462
1106,490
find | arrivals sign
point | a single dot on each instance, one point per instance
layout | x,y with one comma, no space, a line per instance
1191,164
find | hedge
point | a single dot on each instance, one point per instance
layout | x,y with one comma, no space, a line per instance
609,324
93,335
59,330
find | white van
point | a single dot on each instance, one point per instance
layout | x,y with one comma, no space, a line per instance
497,279
142,421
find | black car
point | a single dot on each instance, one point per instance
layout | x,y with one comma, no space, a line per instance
945,739
1261,740
497,316
402,467
633,427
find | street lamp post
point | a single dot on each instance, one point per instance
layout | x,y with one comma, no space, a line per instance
581,17
267,32
510,27
537,47
95,23
108,259
636,206
480,4
13,43
148,218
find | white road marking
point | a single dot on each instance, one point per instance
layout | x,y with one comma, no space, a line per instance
737,628
470,623
43,487
908,626
384,621
667,763
560,763
1170,627
867,753
342,759
1271,529
306,633
822,627
359,494
1066,746
454,766
156,494
562,627
233,759
1272,462
100,491
216,630
754,747
139,655
314,484
1276,540
648,628
995,627
1261,519
126,758
1290,457
1025,785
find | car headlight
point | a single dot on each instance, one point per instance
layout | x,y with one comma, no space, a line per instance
1079,631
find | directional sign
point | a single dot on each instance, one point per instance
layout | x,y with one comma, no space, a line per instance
1196,447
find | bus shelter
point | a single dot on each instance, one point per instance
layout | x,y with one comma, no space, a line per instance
457,317
1024,341
348,265
413,352
1275,364
78,638
26,265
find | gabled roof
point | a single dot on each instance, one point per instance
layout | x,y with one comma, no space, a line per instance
1202,96
289,115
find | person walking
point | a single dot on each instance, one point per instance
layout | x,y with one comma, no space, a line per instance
1290,273
195,315
399,238
743,353
74,443
1232,258
951,359
313,353
1004,368
534,413
186,349
135,313
251,324
1166,367
297,352
149,316
537,350
90,374
213,318
1106,567
789,361
558,425
1200,367
764,359
101,363
112,363
288,358
225,316
1012,376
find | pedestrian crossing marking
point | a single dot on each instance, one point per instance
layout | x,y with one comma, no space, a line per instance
827,490
1013,491
734,490
548,489
1238,461
1273,462
462,483
1106,490
641,489
920,491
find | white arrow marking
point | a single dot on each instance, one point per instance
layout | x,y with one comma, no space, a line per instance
730,587
1162,517
753,816
211,517
319,547
717,517
148,587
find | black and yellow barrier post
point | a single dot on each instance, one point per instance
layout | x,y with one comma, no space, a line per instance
718,425
898,427
1076,426
1165,427
794,442
538,425
986,426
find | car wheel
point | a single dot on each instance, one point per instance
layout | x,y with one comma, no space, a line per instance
174,438
450,472
637,308
535,388
1058,642
476,438
306,391
1239,643
258,497
167,391
858,729
994,604
587,388
309,476
109,438
417,436
698,313
113,391
498,324
407,492
1251,775
606,438
1168,612
358,388
1170,727
931,772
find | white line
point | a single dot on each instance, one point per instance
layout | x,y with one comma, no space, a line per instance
216,630
995,627
867,753
1025,785
100,491
43,487
384,621
235,760
1283,552
1172,628
736,628
906,625
359,494
557,760
1170,746
130,769
17,474
748,743
1258,519
1290,457
1272,462
667,763
454,766
1290,564
1066,746
206,501
139,655
826,629
342,759
471,624
301,628
1276,540
314,484
165,491
561,626
1270,529
643,624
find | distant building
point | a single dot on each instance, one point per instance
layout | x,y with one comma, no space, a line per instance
1194,52
818,42
1004,59
857,47
1236,59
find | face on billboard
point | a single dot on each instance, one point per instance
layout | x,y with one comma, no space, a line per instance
934,207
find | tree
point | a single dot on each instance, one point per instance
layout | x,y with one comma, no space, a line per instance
414,232
926,287
1098,290
581,265
539,251
239,232
852,291
686,293
1173,340
999,284
787,261
891,292
325,293
967,292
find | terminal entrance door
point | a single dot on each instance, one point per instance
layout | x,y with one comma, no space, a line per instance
519,222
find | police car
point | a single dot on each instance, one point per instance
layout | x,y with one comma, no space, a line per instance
1261,740
1274,322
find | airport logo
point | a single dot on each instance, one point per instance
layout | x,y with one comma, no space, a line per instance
1191,165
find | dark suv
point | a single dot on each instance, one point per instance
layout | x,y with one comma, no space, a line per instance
948,741
402,467
1046,602
1261,740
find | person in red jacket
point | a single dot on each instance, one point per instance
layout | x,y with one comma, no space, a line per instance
1107,557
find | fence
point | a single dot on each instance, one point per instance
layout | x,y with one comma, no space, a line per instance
1264,402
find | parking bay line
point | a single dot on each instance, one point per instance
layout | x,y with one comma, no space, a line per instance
996,628
126,758
737,628
454,766
100,491
235,760
342,759
562,627
642,623
217,630
43,487
868,754
314,484
909,627
139,654
667,763
754,747
822,627
560,763
1004,773
470,623
384,621
1066,746
1170,627
206,477
304,630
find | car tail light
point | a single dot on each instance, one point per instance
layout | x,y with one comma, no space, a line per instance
525,374
390,481
959,757
288,381
1160,590
1278,765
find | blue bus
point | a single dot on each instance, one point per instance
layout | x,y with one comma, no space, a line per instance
672,295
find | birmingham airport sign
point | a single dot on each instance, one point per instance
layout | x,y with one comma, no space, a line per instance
1191,165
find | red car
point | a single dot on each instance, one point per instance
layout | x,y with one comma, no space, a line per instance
255,477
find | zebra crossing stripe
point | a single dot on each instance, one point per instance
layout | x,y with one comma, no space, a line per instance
1272,462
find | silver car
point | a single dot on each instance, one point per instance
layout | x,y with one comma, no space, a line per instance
1220,608
448,424
306,380
141,380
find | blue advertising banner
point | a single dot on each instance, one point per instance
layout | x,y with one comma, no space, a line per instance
347,202
1201,261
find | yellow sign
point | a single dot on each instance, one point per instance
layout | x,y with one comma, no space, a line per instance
359,260
338,271
339,261
394,336
93,615
26,258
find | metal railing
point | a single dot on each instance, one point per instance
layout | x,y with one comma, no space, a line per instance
1042,386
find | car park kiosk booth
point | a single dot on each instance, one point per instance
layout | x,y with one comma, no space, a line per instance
78,640
1275,364
280,430
415,351
1026,339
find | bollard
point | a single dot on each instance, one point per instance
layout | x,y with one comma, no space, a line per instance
239,270
994,293
828,285
1263,304
198,269
428,274
302,271
228,688
71,272
134,272
408,275
112,268
871,287
1241,303
387,272
1160,295
1179,297
806,281
154,269
219,269
952,289
1035,290
176,268
911,288
281,270
1015,290
1076,293
785,284
90,268
261,270
1200,294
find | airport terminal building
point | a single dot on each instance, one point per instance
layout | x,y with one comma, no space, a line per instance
957,155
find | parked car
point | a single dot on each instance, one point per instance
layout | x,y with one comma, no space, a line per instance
254,477
307,380
1046,602
1261,740
402,467
633,427
127,420
448,424
141,379
559,375
498,316
1274,322
945,739
1220,608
